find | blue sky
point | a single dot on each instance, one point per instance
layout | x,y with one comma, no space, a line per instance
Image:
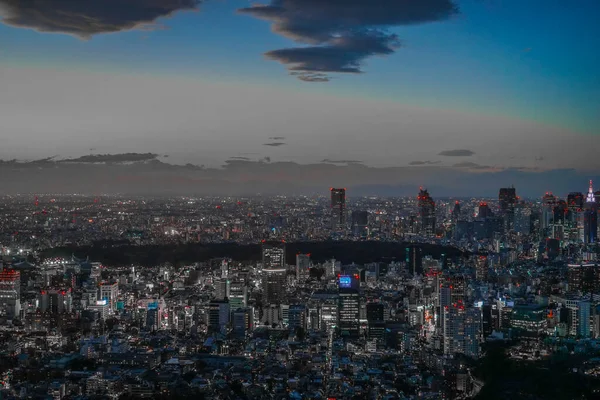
532,65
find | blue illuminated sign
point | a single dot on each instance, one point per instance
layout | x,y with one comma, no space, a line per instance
345,281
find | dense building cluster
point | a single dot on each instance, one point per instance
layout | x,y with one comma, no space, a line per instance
522,274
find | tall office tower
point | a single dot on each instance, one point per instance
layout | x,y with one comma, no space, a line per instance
302,266
243,321
414,259
590,222
349,305
481,268
110,293
238,293
522,219
575,202
484,210
274,272
375,321
360,221
426,212
297,316
547,218
225,267
584,277
55,301
10,293
218,315
222,289
462,330
338,209
507,198
456,211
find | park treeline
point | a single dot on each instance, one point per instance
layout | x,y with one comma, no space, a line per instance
123,254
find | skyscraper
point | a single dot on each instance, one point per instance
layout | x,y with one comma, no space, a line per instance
302,266
426,212
338,209
360,221
484,210
349,305
274,272
481,268
507,199
590,224
10,293
462,330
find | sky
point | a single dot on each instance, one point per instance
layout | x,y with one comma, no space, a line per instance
473,85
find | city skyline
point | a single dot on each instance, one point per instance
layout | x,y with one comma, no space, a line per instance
462,87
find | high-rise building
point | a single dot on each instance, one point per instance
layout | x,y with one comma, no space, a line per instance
507,199
462,330
481,268
375,321
522,219
484,210
297,316
243,321
222,289
274,272
547,217
302,266
338,209
218,315
456,211
55,301
238,293
110,293
590,224
426,212
360,221
349,305
10,293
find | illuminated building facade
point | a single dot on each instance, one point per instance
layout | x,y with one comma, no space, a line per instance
10,293
349,305
274,272
507,199
338,209
426,212
590,224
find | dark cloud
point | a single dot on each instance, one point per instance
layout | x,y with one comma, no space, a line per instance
275,144
471,165
240,158
328,161
85,18
112,158
413,163
456,153
277,138
341,34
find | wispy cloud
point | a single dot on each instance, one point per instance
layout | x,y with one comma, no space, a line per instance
328,161
85,18
341,34
275,144
415,163
456,153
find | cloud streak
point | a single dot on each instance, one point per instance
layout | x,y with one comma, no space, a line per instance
328,161
417,163
456,153
275,144
85,18
339,35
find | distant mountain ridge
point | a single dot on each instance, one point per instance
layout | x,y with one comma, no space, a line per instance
146,174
